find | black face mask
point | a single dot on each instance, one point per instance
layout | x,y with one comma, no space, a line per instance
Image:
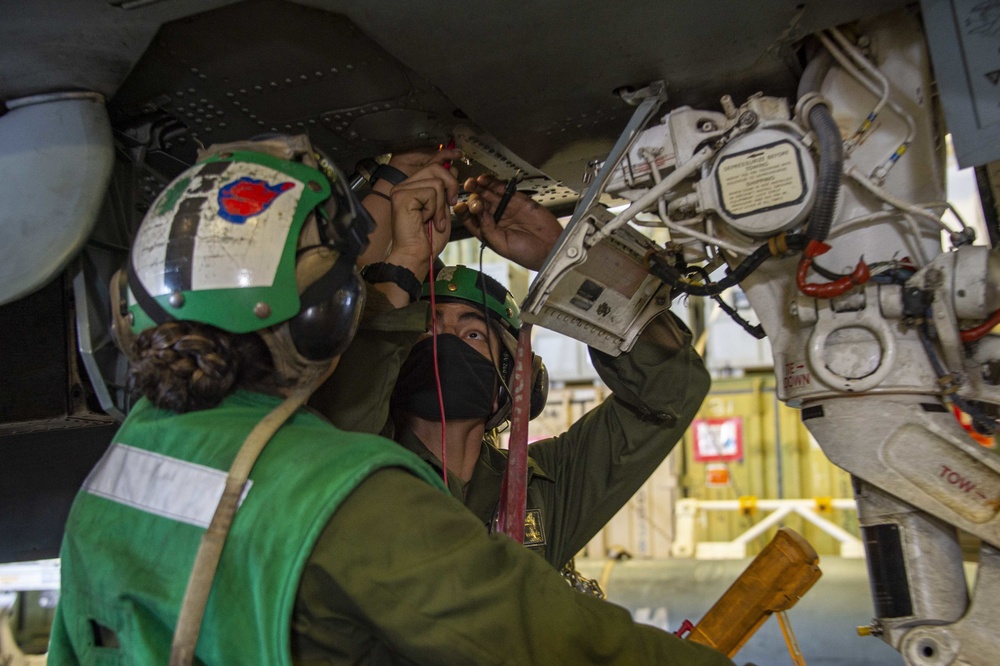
467,381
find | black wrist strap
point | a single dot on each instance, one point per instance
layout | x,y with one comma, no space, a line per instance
386,172
399,276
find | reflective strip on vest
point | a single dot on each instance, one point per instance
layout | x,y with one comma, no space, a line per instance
159,484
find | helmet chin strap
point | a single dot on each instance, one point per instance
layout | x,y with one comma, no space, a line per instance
212,541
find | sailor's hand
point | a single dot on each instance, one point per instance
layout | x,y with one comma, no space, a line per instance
416,165
416,202
526,231
413,161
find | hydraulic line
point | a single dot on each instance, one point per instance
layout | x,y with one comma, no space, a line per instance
855,53
668,222
858,58
838,287
982,423
973,334
814,73
881,171
661,268
831,165
898,203
756,331
649,198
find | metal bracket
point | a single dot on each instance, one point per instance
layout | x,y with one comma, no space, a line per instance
653,96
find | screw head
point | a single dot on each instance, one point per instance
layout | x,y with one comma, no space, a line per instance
176,299
748,119
262,310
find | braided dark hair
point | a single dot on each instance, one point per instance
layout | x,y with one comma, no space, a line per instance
186,366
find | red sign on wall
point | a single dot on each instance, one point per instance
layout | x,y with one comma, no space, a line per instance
717,439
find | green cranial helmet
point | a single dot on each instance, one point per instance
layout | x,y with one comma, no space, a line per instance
221,246
459,283
218,245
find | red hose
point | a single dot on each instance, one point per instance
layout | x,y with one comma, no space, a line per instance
833,289
973,334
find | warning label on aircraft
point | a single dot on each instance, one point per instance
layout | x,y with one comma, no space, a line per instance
795,375
954,478
760,179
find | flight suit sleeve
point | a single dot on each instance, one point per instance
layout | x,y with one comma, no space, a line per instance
356,396
403,573
606,456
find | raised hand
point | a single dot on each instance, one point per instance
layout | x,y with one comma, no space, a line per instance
526,231
413,161
417,164
417,201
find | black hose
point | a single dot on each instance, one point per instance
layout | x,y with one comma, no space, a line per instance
831,148
827,273
660,268
756,330
831,165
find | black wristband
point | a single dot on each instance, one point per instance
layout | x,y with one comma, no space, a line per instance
386,172
399,276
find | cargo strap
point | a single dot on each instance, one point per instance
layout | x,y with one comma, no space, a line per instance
514,488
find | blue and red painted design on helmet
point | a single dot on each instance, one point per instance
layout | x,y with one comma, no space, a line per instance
246,197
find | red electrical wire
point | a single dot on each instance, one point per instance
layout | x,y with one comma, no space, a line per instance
434,346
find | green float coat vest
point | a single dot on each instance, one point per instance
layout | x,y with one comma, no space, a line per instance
134,529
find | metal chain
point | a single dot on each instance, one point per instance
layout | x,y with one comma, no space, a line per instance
581,583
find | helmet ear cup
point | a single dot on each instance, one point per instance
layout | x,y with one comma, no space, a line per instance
539,387
329,313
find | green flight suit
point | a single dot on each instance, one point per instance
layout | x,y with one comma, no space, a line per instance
402,569
577,481
393,576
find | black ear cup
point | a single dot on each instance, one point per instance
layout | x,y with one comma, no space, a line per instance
330,312
539,386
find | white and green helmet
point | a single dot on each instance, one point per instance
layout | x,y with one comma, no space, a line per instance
219,245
